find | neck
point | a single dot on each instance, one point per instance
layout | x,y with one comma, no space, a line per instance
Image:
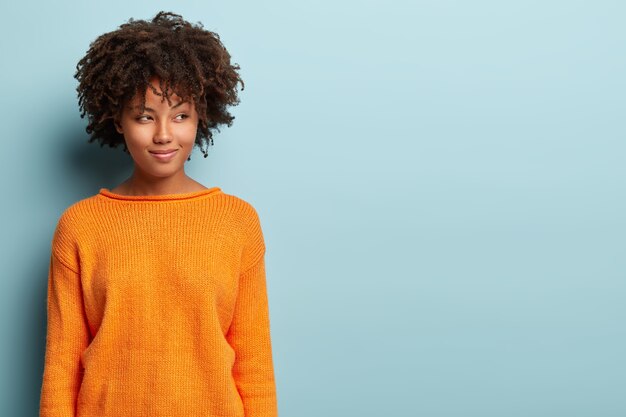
138,184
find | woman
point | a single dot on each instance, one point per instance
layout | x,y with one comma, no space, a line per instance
157,300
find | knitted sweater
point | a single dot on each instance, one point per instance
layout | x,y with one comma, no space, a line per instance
157,306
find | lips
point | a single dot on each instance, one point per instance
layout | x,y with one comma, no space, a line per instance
164,155
162,151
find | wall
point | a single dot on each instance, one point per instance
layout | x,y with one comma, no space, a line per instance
441,185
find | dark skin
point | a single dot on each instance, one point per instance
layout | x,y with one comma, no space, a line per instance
160,126
176,61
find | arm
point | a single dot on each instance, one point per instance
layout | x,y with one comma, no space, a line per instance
249,333
67,337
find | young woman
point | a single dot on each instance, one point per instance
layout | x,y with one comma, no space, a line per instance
157,300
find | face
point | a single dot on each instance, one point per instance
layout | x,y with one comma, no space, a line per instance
160,138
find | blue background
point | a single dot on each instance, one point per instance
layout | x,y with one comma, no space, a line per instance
440,184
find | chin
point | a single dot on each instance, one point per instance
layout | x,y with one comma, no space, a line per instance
164,171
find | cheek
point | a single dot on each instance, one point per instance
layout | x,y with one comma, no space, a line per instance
188,134
134,145
133,139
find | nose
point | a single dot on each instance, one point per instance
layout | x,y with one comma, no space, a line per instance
163,133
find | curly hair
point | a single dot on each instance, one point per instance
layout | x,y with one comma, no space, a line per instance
185,57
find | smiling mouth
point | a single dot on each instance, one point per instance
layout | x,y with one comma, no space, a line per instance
164,156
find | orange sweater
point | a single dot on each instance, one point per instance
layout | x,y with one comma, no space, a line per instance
157,306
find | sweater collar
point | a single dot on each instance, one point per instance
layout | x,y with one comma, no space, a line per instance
107,193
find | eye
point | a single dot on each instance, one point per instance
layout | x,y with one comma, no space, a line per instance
181,116
143,118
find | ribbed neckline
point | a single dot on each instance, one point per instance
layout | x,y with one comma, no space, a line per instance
105,192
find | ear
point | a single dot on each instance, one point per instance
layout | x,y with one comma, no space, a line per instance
118,126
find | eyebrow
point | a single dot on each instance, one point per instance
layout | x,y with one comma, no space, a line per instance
138,107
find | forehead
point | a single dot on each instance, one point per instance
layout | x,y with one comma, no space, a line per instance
154,100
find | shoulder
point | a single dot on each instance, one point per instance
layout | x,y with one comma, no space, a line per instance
253,237
70,228
77,213
242,208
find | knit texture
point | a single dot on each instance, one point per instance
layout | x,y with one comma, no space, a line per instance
157,306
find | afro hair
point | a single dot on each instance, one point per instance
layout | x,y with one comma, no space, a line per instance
187,59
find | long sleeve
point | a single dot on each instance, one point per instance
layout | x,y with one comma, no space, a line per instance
66,339
157,306
249,335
